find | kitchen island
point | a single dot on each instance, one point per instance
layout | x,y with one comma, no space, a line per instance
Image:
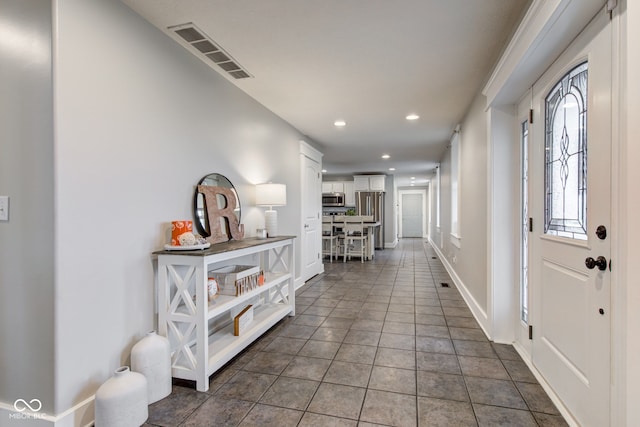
368,223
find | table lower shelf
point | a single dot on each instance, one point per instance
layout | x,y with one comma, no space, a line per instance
223,345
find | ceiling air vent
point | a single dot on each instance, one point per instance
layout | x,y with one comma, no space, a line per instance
208,50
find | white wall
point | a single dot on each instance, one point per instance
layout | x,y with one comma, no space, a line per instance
390,213
468,264
441,235
472,257
139,121
26,176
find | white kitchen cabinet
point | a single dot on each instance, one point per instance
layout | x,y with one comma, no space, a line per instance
333,187
361,183
376,182
369,182
201,333
338,187
349,194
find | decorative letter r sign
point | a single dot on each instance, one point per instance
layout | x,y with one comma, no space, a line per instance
220,217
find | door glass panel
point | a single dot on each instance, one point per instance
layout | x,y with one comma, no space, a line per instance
566,156
524,225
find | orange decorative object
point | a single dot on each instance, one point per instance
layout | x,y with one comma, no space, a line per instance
178,228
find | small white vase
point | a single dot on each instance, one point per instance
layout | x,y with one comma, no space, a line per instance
151,356
122,400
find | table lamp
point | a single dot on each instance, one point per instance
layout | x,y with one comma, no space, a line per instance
271,195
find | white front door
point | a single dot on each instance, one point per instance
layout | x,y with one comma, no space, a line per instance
570,193
311,211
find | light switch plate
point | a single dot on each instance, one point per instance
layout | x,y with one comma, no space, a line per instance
4,208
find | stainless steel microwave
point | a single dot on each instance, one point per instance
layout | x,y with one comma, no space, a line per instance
332,199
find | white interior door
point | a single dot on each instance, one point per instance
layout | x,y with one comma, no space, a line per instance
311,211
412,215
571,186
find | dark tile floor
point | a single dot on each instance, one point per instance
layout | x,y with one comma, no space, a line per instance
374,343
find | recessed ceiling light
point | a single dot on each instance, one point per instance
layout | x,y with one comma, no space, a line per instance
412,184
385,156
324,171
412,117
339,123
413,177
392,169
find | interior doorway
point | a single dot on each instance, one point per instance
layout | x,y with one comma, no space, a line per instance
310,233
413,211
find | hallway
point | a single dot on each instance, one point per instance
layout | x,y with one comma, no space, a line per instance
379,343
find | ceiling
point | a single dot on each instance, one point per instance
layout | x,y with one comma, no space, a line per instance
367,62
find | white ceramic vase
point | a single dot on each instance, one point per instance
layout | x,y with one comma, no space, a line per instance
122,400
151,356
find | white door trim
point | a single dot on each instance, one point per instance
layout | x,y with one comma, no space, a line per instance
624,210
423,192
502,224
309,152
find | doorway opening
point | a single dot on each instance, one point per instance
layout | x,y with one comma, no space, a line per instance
413,213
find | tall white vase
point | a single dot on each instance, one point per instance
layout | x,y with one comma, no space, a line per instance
151,356
122,400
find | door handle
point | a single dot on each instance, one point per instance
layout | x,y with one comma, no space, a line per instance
600,262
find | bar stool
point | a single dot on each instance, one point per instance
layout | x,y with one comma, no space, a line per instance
338,225
354,231
329,238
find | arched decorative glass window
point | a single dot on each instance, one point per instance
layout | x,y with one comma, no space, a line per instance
566,156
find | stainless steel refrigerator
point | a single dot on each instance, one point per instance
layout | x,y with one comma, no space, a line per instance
372,203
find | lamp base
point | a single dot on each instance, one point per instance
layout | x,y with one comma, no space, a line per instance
271,223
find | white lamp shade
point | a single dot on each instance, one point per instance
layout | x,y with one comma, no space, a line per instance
271,194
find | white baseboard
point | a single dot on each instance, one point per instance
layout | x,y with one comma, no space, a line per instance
391,245
298,283
80,415
478,312
547,388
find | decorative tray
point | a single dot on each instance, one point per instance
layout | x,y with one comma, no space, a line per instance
169,247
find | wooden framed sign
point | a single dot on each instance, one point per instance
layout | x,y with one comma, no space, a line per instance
242,320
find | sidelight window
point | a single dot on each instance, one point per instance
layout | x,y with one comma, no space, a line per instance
524,224
566,156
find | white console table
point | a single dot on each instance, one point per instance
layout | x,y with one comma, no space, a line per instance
201,333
